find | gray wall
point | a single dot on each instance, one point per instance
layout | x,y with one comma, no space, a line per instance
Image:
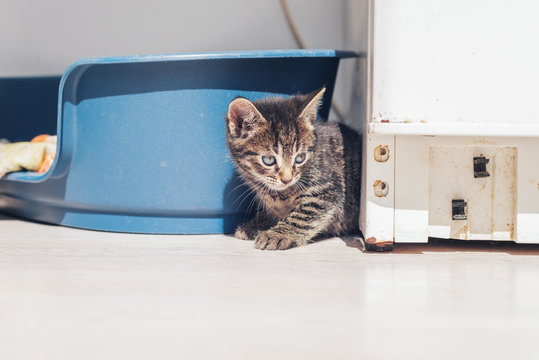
45,37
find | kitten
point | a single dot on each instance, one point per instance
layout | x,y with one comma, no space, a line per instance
305,173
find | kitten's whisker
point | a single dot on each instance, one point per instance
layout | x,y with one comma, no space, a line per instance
245,196
253,201
238,186
259,188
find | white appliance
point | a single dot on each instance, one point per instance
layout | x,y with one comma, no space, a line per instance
451,144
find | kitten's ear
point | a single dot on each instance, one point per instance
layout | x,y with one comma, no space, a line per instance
242,117
313,102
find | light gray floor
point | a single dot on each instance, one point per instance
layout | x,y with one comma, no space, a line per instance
75,294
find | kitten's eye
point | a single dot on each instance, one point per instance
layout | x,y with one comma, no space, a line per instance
268,160
300,158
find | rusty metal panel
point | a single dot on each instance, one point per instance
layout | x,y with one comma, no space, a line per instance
432,171
467,201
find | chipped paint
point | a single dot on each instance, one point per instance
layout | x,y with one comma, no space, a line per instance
372,244
381,153
381,188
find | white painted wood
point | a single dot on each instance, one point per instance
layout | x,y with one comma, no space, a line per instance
412,189
455,129
459,77
528,191
376,219
455,61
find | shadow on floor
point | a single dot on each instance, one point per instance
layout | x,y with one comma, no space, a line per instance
5,217
433,246
448,246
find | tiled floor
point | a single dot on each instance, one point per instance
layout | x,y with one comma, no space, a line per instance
75,294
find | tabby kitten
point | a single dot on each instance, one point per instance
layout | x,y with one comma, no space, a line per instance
305,173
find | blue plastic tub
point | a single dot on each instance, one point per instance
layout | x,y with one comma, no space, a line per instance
141,139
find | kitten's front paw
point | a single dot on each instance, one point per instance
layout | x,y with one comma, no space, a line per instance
272,240
243,233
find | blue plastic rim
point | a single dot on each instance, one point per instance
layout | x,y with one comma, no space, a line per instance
141,139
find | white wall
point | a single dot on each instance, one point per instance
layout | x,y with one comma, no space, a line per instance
45,37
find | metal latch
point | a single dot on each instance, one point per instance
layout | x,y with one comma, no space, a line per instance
480,167
459,209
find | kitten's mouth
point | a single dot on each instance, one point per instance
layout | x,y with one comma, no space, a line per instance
282,186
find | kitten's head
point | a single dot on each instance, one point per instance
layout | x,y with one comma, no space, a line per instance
272,140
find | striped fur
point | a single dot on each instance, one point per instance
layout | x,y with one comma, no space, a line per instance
298,200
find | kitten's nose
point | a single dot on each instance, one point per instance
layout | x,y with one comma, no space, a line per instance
286,176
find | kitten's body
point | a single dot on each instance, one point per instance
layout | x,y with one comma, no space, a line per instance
298,200
331,177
